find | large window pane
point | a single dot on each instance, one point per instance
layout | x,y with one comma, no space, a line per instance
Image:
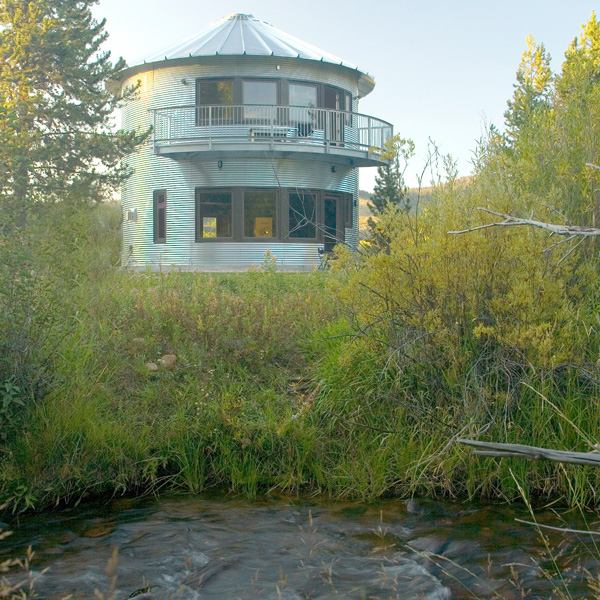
213,215
259,92
215,91
260,214
303,94
211,95
304,119
302,215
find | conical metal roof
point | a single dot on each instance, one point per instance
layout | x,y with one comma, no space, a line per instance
245,35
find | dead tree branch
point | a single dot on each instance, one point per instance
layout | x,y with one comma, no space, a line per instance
559,529
501,450
511,221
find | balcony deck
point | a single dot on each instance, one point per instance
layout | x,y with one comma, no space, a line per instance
281,131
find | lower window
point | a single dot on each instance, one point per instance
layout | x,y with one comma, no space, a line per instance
159,201
302,215
260,214
284,214
213,215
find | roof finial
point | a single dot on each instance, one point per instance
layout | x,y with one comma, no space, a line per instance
244,16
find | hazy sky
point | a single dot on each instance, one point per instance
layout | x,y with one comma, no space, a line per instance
443,68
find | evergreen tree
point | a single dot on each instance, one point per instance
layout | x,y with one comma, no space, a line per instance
532,89
390,188
57,138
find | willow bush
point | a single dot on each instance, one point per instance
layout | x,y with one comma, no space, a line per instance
492,333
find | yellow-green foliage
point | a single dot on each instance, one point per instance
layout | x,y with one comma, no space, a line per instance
490,333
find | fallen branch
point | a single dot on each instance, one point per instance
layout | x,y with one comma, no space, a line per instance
561,529
510,221
501,450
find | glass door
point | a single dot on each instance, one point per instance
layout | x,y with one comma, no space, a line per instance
330,223
333,100
302,107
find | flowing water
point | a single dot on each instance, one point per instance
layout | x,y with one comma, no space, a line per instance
219,547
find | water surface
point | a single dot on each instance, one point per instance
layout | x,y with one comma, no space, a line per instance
219,547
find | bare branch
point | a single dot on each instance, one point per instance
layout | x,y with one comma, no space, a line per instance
592,166
561,529
510,221
531,452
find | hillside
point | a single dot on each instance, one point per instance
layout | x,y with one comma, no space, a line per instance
426,196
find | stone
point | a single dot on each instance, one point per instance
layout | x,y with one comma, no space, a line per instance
168,361
152,367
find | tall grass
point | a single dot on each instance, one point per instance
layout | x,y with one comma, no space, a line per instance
274,388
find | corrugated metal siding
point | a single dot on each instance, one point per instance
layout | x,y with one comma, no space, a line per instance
180,177
163,86
240,256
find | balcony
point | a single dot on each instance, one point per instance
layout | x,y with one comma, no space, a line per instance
283,131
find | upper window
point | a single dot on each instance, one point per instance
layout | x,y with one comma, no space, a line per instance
260,214
302,215
302,94
215,91
259,93
213,215
211,94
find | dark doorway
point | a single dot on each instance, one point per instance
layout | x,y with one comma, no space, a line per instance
333,99
330,223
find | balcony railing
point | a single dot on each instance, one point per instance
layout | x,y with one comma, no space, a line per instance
212,127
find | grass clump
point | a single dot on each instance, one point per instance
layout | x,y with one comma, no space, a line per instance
227,413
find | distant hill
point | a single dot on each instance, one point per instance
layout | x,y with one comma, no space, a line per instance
363,209
426,195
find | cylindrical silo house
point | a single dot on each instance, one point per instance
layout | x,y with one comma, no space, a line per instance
255,150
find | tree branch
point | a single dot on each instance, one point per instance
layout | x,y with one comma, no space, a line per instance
510,221
560,529
531,452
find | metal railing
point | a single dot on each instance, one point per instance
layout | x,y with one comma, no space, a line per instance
214,125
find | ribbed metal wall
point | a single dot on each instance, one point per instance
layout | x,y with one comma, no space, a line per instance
175,86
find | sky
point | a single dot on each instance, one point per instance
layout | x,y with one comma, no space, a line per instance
443,69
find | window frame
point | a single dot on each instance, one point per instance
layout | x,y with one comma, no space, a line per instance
348,210
274,80
277,192
343,202
201,80
345,218
200,122
156,194
283,94
198,229
318,194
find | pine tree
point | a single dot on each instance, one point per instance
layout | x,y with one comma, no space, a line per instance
532,89
390,188
57,139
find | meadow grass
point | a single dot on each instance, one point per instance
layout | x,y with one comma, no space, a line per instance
274,388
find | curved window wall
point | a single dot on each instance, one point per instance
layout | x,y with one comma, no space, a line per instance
231,91
272,214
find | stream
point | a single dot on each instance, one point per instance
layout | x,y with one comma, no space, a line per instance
211,547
